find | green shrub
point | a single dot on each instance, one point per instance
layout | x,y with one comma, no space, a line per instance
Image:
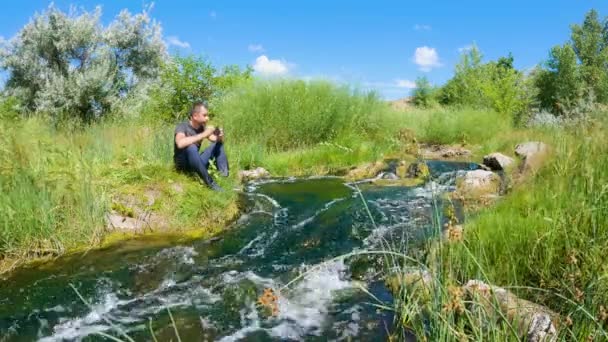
288,114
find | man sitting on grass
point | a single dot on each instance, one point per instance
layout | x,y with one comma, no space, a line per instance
188,138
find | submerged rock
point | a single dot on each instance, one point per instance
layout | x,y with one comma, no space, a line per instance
257,173
532,321
497,161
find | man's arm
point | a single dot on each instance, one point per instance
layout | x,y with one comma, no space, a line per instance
182,141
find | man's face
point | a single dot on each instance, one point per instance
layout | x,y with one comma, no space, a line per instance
201,116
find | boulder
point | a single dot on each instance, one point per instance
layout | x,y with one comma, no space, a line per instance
257,173
533,154
497,161
366,171
418,170
530,148
533,322
478,182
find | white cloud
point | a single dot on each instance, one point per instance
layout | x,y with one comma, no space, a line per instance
419,27
426,58
270,67
174,40
407,84
213,14
256,48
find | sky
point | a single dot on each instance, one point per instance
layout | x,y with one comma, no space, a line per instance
380,45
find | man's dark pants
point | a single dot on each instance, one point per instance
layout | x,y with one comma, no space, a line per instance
192,161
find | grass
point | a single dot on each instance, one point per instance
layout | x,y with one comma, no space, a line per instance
545,242
57,184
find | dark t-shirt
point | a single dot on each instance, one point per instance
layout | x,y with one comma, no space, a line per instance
189,131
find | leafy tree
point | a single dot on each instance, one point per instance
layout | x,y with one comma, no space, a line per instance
423,95
590,43
69,65
560,85
184,80
495,85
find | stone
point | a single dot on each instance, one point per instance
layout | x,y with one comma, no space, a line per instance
119,222
530,148
366,171
478,182
387,176
533,154
443,151
533,322
497,161
257,173
418,170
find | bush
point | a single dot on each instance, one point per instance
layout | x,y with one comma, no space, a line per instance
185,80
494,85
68,65
424,95
288,114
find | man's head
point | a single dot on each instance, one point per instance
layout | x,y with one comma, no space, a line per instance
199,113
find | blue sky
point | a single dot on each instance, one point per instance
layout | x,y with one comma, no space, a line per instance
384,45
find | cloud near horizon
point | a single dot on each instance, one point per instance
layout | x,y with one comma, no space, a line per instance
270,67
426,58
174,41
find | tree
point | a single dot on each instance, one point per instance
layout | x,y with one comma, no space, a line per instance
69,65
423,93
184,80
560,84
590,43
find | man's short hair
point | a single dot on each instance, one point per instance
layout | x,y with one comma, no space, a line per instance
197,106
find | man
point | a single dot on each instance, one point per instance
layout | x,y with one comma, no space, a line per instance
188,138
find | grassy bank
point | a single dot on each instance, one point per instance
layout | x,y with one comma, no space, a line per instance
57,184
545,241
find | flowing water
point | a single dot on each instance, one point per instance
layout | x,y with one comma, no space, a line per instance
211,288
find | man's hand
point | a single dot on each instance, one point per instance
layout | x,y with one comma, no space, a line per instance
182,141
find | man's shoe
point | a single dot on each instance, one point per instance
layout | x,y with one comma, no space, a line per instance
216,187
224,173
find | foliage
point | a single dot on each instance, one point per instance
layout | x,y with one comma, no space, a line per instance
69,65
560,84
494,85
286,114
424,93
185,80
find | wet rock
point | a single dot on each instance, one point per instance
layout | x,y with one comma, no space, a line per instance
532,321
366,171
257,173
399,182
387,176
497,161
418,170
